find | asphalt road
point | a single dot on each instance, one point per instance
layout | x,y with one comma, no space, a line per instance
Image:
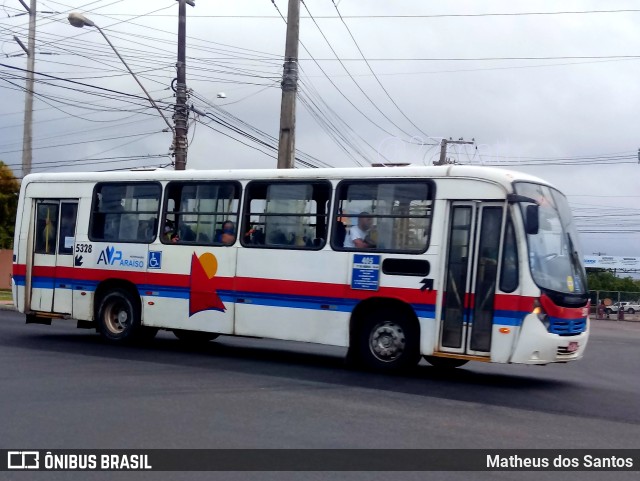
62,387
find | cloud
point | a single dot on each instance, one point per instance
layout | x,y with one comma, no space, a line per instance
538,108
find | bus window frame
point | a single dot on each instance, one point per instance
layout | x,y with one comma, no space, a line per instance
165,204
246,212
37,233
509,221
381,180
124,182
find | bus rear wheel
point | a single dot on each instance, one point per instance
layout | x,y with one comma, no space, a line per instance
194,337
119,317
387,344
445,362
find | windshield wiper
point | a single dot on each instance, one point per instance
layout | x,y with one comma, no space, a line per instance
575,257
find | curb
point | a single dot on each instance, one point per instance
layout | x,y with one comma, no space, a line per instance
606,321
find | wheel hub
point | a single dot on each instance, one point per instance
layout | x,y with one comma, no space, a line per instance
122,318
387,341
117,318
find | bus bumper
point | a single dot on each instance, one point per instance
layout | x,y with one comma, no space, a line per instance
536,345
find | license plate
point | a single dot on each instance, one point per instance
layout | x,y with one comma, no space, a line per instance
572,347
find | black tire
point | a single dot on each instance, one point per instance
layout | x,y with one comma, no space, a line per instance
386,342
118,317
195,337
445,362
608,311
631,310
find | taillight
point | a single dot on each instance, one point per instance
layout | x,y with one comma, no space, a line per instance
542,315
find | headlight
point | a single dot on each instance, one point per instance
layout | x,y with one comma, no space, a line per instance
539,311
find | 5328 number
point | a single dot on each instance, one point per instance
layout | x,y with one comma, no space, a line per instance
83,248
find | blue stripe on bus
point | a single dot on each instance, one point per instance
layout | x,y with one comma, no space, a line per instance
501,317
164,291
43,282
509,318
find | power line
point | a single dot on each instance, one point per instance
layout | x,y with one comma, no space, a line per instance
74,82
328,128
66,144
47,164
193,41
410,16
117,23
374,74
474,59
343,133
226,119
351,76
333,83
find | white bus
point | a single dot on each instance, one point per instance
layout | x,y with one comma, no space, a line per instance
452,263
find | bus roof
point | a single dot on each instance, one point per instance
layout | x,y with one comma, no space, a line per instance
500,176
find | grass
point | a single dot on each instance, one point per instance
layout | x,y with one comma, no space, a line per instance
5,295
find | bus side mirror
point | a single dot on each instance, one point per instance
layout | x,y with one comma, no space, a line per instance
532,219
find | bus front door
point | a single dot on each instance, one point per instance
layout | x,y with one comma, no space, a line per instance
51,285
471,270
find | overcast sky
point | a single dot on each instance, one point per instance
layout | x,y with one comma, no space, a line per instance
557,90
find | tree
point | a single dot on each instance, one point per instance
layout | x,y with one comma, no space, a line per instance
605,280
9,190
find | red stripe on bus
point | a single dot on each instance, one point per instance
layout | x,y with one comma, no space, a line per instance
503,302
322,289
19,269
506,302
562,312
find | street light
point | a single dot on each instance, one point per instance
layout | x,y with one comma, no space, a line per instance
78,20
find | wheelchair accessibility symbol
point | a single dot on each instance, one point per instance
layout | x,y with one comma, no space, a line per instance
155,260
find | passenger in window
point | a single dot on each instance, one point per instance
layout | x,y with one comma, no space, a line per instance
228,234
248,237
359,236
146,230
186,232
167,233
175,238
254,236
48,235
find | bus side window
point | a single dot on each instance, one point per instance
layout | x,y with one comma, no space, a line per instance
201,213
509,271
68,214
46,228
289,215
383,215
125,211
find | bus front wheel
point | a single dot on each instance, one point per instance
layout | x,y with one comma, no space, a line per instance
119,317
388,344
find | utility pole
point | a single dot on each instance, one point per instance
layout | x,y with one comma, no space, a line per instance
27,133
287,139
181,111
443,148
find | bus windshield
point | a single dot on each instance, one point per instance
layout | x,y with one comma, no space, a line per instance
554,258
